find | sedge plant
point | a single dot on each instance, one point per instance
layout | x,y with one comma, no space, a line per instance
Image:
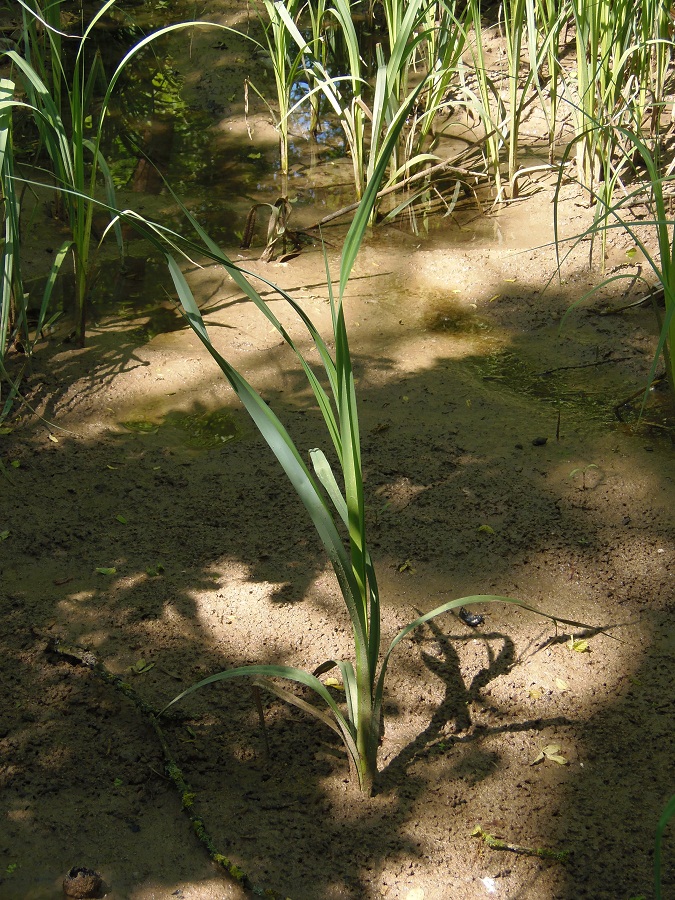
365,144
445,40
287,65
659,252
76,160
14,299
333,498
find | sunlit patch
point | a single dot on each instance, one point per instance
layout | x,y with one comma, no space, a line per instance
77,597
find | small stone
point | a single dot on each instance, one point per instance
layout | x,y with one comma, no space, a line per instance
81,883
539,441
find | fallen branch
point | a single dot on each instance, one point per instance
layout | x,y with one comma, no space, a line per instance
80,656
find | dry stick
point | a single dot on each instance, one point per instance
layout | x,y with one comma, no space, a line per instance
78,655
591,365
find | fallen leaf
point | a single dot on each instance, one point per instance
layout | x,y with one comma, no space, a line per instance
121,519
53,438
5,534
103,570
534,693
334,683
141,667
485,529
552,752
561,684
579,645
557,758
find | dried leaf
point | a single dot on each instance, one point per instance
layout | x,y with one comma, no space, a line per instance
551,752
485,529
334,683
557,758
534,693
53,438
561,684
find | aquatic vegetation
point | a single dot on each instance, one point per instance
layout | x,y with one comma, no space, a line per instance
659,223
287,64
333,496
64,113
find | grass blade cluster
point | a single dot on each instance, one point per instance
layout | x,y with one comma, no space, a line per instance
334,502
659,223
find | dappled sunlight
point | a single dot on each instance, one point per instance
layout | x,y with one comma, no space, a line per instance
150,539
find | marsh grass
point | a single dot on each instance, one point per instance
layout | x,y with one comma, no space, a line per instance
332,494
656,230
287,64
64,114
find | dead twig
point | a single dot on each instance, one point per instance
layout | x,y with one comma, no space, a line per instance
75,655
